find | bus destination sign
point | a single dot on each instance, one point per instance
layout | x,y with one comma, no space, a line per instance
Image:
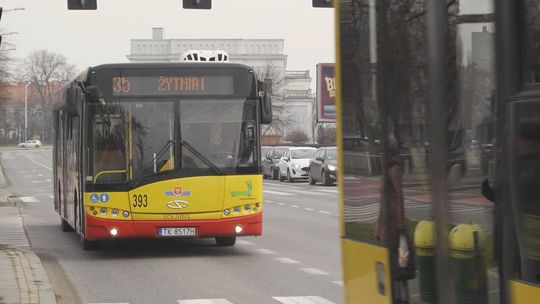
172,85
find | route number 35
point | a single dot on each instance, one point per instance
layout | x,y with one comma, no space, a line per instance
140,200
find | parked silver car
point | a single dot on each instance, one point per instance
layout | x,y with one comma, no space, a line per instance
270,161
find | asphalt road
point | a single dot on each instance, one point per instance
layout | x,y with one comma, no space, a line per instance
297,260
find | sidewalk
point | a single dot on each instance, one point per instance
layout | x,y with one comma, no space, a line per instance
23,279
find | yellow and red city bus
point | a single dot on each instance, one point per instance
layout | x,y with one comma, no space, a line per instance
159,150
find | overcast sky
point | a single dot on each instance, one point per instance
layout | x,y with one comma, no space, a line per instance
89,38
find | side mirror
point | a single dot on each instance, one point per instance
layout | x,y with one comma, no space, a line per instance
73,100
319,158
94,94
266,108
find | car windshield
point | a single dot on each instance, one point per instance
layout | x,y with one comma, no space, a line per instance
331,154
302,153
279,152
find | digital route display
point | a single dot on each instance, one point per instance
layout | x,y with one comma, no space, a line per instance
172,85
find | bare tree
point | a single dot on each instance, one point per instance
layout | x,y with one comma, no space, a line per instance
297,137
47,71
280,121
5,63
326,134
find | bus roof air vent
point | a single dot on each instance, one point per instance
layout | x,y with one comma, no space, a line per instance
205,56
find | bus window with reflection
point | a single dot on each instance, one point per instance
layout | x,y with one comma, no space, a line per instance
526,190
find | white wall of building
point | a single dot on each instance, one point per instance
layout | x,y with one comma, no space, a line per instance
257,53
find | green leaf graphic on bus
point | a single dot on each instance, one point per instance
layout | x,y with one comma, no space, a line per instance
249,185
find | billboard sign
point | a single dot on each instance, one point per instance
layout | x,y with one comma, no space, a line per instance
326,93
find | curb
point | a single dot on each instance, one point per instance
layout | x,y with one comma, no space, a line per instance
29,277
45,290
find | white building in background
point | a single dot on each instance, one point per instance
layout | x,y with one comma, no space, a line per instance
295,94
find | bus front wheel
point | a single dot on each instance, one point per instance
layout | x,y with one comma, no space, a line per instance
89,245
225,241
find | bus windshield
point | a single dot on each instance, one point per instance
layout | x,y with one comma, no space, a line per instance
132,139
219,132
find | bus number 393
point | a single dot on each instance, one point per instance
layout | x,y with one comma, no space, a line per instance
140,200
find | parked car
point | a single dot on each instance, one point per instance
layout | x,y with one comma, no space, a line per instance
264,150
270,160
294,164
323,166
32,143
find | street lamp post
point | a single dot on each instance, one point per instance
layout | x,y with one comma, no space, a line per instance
26,110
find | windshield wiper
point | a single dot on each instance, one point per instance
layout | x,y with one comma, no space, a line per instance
158,155
203,158
137,180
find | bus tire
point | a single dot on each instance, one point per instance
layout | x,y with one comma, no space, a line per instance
225,241
88,245
65,226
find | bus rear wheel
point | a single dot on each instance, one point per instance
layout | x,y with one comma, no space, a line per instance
225,241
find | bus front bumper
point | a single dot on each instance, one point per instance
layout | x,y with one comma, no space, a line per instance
101,229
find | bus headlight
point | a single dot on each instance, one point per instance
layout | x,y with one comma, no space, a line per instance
125,214
238,229
114,212
226,211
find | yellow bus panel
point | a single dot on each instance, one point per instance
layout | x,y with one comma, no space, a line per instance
361,263
524,293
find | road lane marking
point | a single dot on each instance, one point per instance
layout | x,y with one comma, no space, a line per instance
325,212
333,191
109,303
303,300
29,199
204,301
340,283
294,206
247,243
314,271
309,209
276,192
287,261
265,251
38,163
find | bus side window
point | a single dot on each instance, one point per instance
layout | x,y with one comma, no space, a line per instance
524,185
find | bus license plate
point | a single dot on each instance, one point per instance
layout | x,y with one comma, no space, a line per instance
177,231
